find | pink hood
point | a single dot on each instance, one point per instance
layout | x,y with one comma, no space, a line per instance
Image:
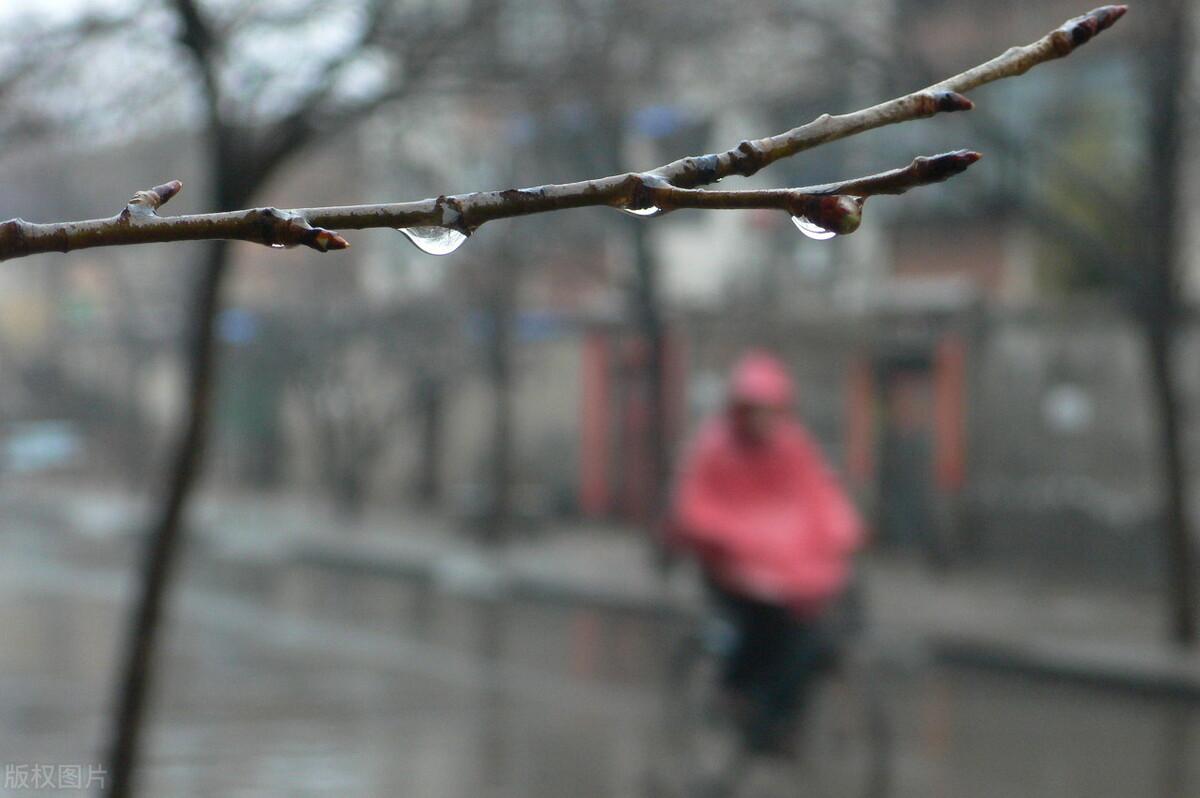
762,379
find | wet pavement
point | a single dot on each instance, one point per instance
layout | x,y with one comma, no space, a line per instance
288,679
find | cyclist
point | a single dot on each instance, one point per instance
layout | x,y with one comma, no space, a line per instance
774,532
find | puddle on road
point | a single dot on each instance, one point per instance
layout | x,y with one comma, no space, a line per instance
299,680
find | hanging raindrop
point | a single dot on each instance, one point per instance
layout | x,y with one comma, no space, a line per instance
434,240
823,217
650,211
644,213
811,229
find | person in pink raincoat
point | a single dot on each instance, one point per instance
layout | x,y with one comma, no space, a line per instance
774,531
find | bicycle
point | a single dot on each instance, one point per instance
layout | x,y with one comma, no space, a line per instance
843,735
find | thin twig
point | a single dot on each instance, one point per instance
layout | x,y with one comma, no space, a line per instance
669,186
946,96
832,206
921,172
139,223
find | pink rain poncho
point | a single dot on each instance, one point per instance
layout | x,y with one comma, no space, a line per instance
769,520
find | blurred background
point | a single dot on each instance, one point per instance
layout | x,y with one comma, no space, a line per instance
421,553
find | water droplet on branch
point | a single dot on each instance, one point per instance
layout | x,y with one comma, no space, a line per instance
641,195
277,246
811,229
823,217
644,213
434,240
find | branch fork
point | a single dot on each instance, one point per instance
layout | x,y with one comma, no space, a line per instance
832,206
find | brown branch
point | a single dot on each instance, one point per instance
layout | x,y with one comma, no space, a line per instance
139,223
833,206
669,186
921,172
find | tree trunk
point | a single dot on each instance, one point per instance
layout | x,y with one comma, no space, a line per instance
501,310
163,544
1180,557
649,324
1161,308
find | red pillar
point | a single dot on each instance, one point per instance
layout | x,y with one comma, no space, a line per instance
949,413
595,426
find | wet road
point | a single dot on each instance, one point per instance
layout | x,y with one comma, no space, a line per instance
285,679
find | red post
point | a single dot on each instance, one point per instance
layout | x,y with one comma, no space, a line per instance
595,426
949,406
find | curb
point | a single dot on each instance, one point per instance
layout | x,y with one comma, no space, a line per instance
1162,679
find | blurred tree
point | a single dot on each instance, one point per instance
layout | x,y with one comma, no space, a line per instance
1159,304
500,309
358,380
259,111
578,96
354,398
583,95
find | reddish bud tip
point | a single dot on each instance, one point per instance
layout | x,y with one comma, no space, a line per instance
167,190
325,240
937,168
1082,29
949,101
146,202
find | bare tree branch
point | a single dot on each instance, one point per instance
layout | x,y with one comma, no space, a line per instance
140,224
922,171
670,186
